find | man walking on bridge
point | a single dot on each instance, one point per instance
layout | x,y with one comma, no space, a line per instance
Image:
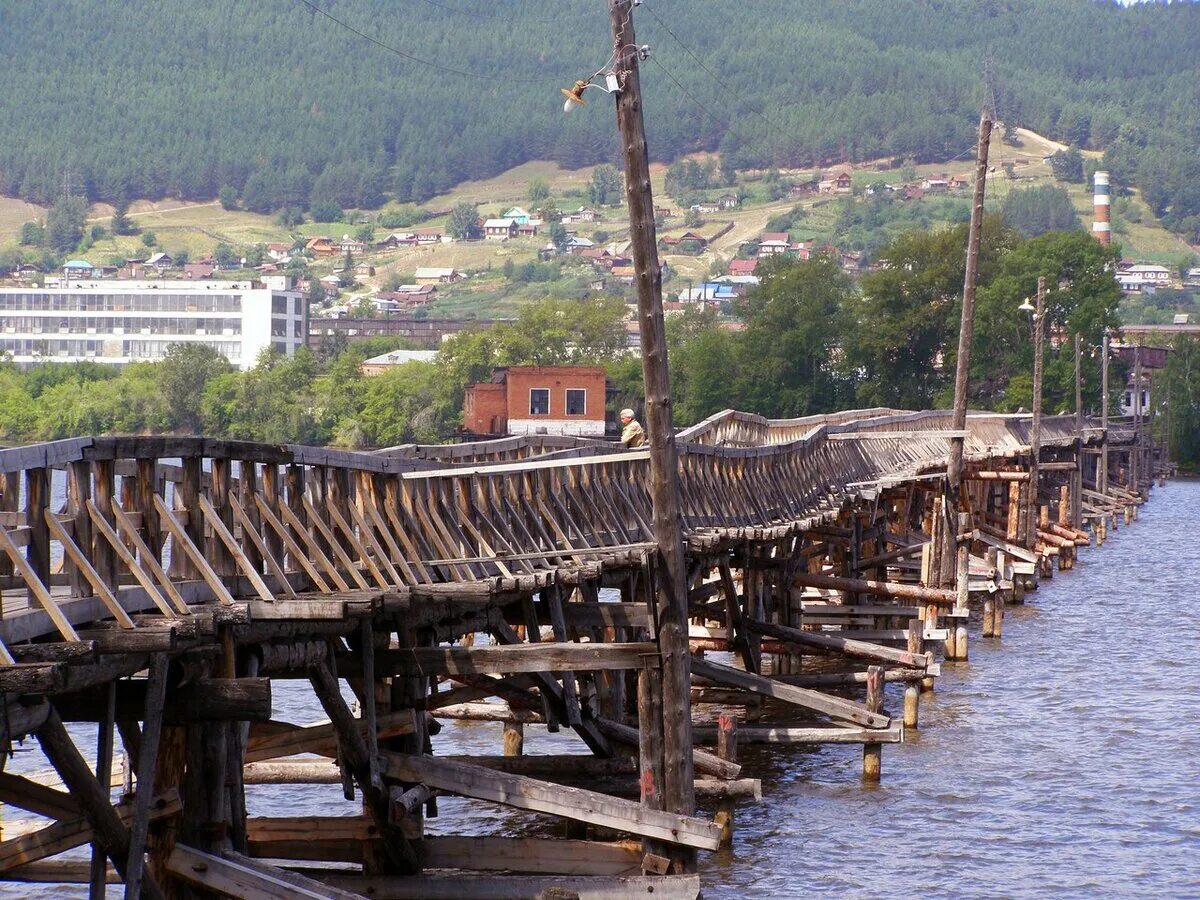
632,433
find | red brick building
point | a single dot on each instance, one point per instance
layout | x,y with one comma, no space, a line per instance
538,400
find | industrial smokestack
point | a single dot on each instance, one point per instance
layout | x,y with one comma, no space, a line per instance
1101,229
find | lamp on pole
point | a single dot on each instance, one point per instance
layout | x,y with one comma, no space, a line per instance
1035,436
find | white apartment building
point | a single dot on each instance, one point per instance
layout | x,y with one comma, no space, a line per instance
121,322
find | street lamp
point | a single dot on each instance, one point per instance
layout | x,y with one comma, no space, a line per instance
1035,436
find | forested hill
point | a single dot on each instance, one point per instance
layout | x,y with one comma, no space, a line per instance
149,98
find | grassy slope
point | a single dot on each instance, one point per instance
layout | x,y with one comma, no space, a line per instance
199,227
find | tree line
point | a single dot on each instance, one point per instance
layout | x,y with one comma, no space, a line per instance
272,106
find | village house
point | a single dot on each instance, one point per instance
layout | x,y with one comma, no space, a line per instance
802,189
396,240
377,365
321,246
663,212
160,261
689,244
728,201
350,244
706,207
837,181
742,266
518,215
408,296
430,275
279,252
538,400
499,229
935,185
771,243
528,229
198,270
576,245
427,236
583,214
1142,275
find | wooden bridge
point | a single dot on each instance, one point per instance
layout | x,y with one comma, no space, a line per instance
157,587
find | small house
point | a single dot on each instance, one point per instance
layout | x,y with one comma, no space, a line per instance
563,400
499,229
430,275
518,215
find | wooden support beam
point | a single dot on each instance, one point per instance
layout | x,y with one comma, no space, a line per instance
771,734
353,752
835,707
848,646
519,887
541,657
937,596
320,739
234,875
521,792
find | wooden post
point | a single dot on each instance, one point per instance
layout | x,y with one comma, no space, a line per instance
104,754
1102,486
664,467
954,465
873,753
727,750
650,745
37,500
989,602
1035,437
514,739
147,763
79,491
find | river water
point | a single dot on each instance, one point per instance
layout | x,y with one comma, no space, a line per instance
1061,761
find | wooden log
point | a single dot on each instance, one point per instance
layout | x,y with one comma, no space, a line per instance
320,739
202,700
771,734
835,707
576,804
936,596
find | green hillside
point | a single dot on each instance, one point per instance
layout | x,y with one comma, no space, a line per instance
285,107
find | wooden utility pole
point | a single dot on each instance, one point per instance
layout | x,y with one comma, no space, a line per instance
1035,434
1077,478
1135,458
671,611
1102,487
966,330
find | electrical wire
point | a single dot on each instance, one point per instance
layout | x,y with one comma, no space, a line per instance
403,54
720,121
713,75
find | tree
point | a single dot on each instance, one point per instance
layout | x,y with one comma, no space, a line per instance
1040,209
121,223
225,256
558,236
33,234
464,221
346,278
365,233
148,238
537,191
183,374
228,197
606,186
64,223
794,324
1067,165
326,211
693,219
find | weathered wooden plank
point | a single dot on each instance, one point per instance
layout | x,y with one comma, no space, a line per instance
520,887
234,875
540,657
320,739
849,646
835,707
526,793
769,734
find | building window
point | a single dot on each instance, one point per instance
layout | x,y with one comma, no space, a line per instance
576,401
539,401
1129,399
1145,399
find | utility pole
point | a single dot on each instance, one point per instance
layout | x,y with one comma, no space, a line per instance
1102,487
1035,436
1135,458
1077,483
954,465
678,789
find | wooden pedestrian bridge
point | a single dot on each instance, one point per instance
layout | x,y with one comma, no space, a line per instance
155,588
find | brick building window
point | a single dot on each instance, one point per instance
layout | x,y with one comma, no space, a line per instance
539,401
576,401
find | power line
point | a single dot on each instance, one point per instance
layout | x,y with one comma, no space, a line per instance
404,54
724,84
688,94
